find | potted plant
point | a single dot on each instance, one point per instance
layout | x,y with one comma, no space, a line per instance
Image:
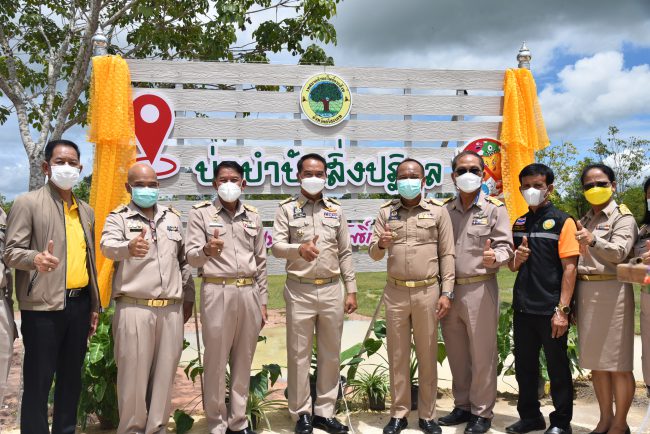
372,387
258,403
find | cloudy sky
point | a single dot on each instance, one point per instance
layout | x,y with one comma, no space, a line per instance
591,59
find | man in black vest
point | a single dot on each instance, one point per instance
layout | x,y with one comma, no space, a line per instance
546,258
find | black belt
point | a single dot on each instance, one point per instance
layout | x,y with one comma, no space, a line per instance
76,292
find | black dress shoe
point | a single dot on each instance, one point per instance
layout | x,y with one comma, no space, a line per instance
523,426
429,426
329,424
246,430
303,426
478,425
558,430
395,425
456,417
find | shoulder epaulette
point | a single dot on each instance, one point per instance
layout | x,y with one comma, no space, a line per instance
623,209
175,211
287,200
120,208
494,201
389,203
202,204
250,208
334,201
434,201
446,200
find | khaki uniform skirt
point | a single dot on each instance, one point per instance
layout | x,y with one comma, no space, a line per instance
605,313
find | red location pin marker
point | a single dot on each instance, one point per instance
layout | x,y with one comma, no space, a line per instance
154,120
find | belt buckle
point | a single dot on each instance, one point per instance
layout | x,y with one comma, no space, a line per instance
157,303
240,282
409,283
319,281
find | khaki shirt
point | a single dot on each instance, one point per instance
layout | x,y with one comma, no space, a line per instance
644,236
423,242
486,219
163,273
5,272
35,218
244,249
297,221
615,231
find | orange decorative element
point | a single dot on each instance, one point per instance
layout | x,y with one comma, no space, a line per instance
522,134
111,128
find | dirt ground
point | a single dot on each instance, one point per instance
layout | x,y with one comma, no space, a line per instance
187,396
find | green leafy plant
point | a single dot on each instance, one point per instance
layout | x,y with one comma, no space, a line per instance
184,422
99,377
259,403
372,387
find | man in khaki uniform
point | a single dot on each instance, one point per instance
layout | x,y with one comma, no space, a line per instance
153,291
225,241
417,234
311,232
483,244
7,325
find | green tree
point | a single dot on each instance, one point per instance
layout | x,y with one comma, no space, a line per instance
325,93
46,47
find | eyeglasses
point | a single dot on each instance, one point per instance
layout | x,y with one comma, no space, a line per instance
591,185
473,170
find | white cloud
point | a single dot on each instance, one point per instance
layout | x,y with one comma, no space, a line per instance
595,91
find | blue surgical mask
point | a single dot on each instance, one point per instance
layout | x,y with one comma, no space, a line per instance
144,197
409,188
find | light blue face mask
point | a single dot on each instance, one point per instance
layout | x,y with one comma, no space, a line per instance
409,188
144,197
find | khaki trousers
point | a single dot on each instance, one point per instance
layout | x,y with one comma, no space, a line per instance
412,309
6,343
645,336
320,308
470,334
231,319
148,346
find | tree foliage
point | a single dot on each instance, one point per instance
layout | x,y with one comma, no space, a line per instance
45,48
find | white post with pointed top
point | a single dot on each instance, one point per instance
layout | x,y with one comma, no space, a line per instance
100,43
523,57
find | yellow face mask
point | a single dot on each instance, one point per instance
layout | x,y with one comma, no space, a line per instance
598,195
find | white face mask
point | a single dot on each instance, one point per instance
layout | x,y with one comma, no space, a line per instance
65,177
313,185
468,182
229,192
533,196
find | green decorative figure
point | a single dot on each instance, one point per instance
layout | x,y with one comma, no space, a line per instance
329,95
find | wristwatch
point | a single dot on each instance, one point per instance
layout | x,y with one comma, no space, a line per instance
449,295
562,308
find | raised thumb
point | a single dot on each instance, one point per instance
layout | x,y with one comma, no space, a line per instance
216,233
579,225
524,242
143,233
488,245
315,239
50,247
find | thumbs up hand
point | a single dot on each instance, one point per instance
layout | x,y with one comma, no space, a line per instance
214,246
522,253
139,247
46,261
386,238
308,251
583,236
489,257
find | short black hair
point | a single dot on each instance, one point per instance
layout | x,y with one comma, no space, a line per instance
608,171
311,156
228,164
462,154
411,160
538,169
646,217
49,148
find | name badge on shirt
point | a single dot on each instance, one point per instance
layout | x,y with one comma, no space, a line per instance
331,215
480,219
603,227
134,226
172,228
249,225
425,215
214,224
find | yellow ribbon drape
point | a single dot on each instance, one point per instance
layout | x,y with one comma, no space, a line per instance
522,133
111,128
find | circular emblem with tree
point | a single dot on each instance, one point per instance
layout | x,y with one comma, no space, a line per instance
325,99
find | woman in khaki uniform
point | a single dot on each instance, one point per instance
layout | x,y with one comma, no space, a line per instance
605,307
642,249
